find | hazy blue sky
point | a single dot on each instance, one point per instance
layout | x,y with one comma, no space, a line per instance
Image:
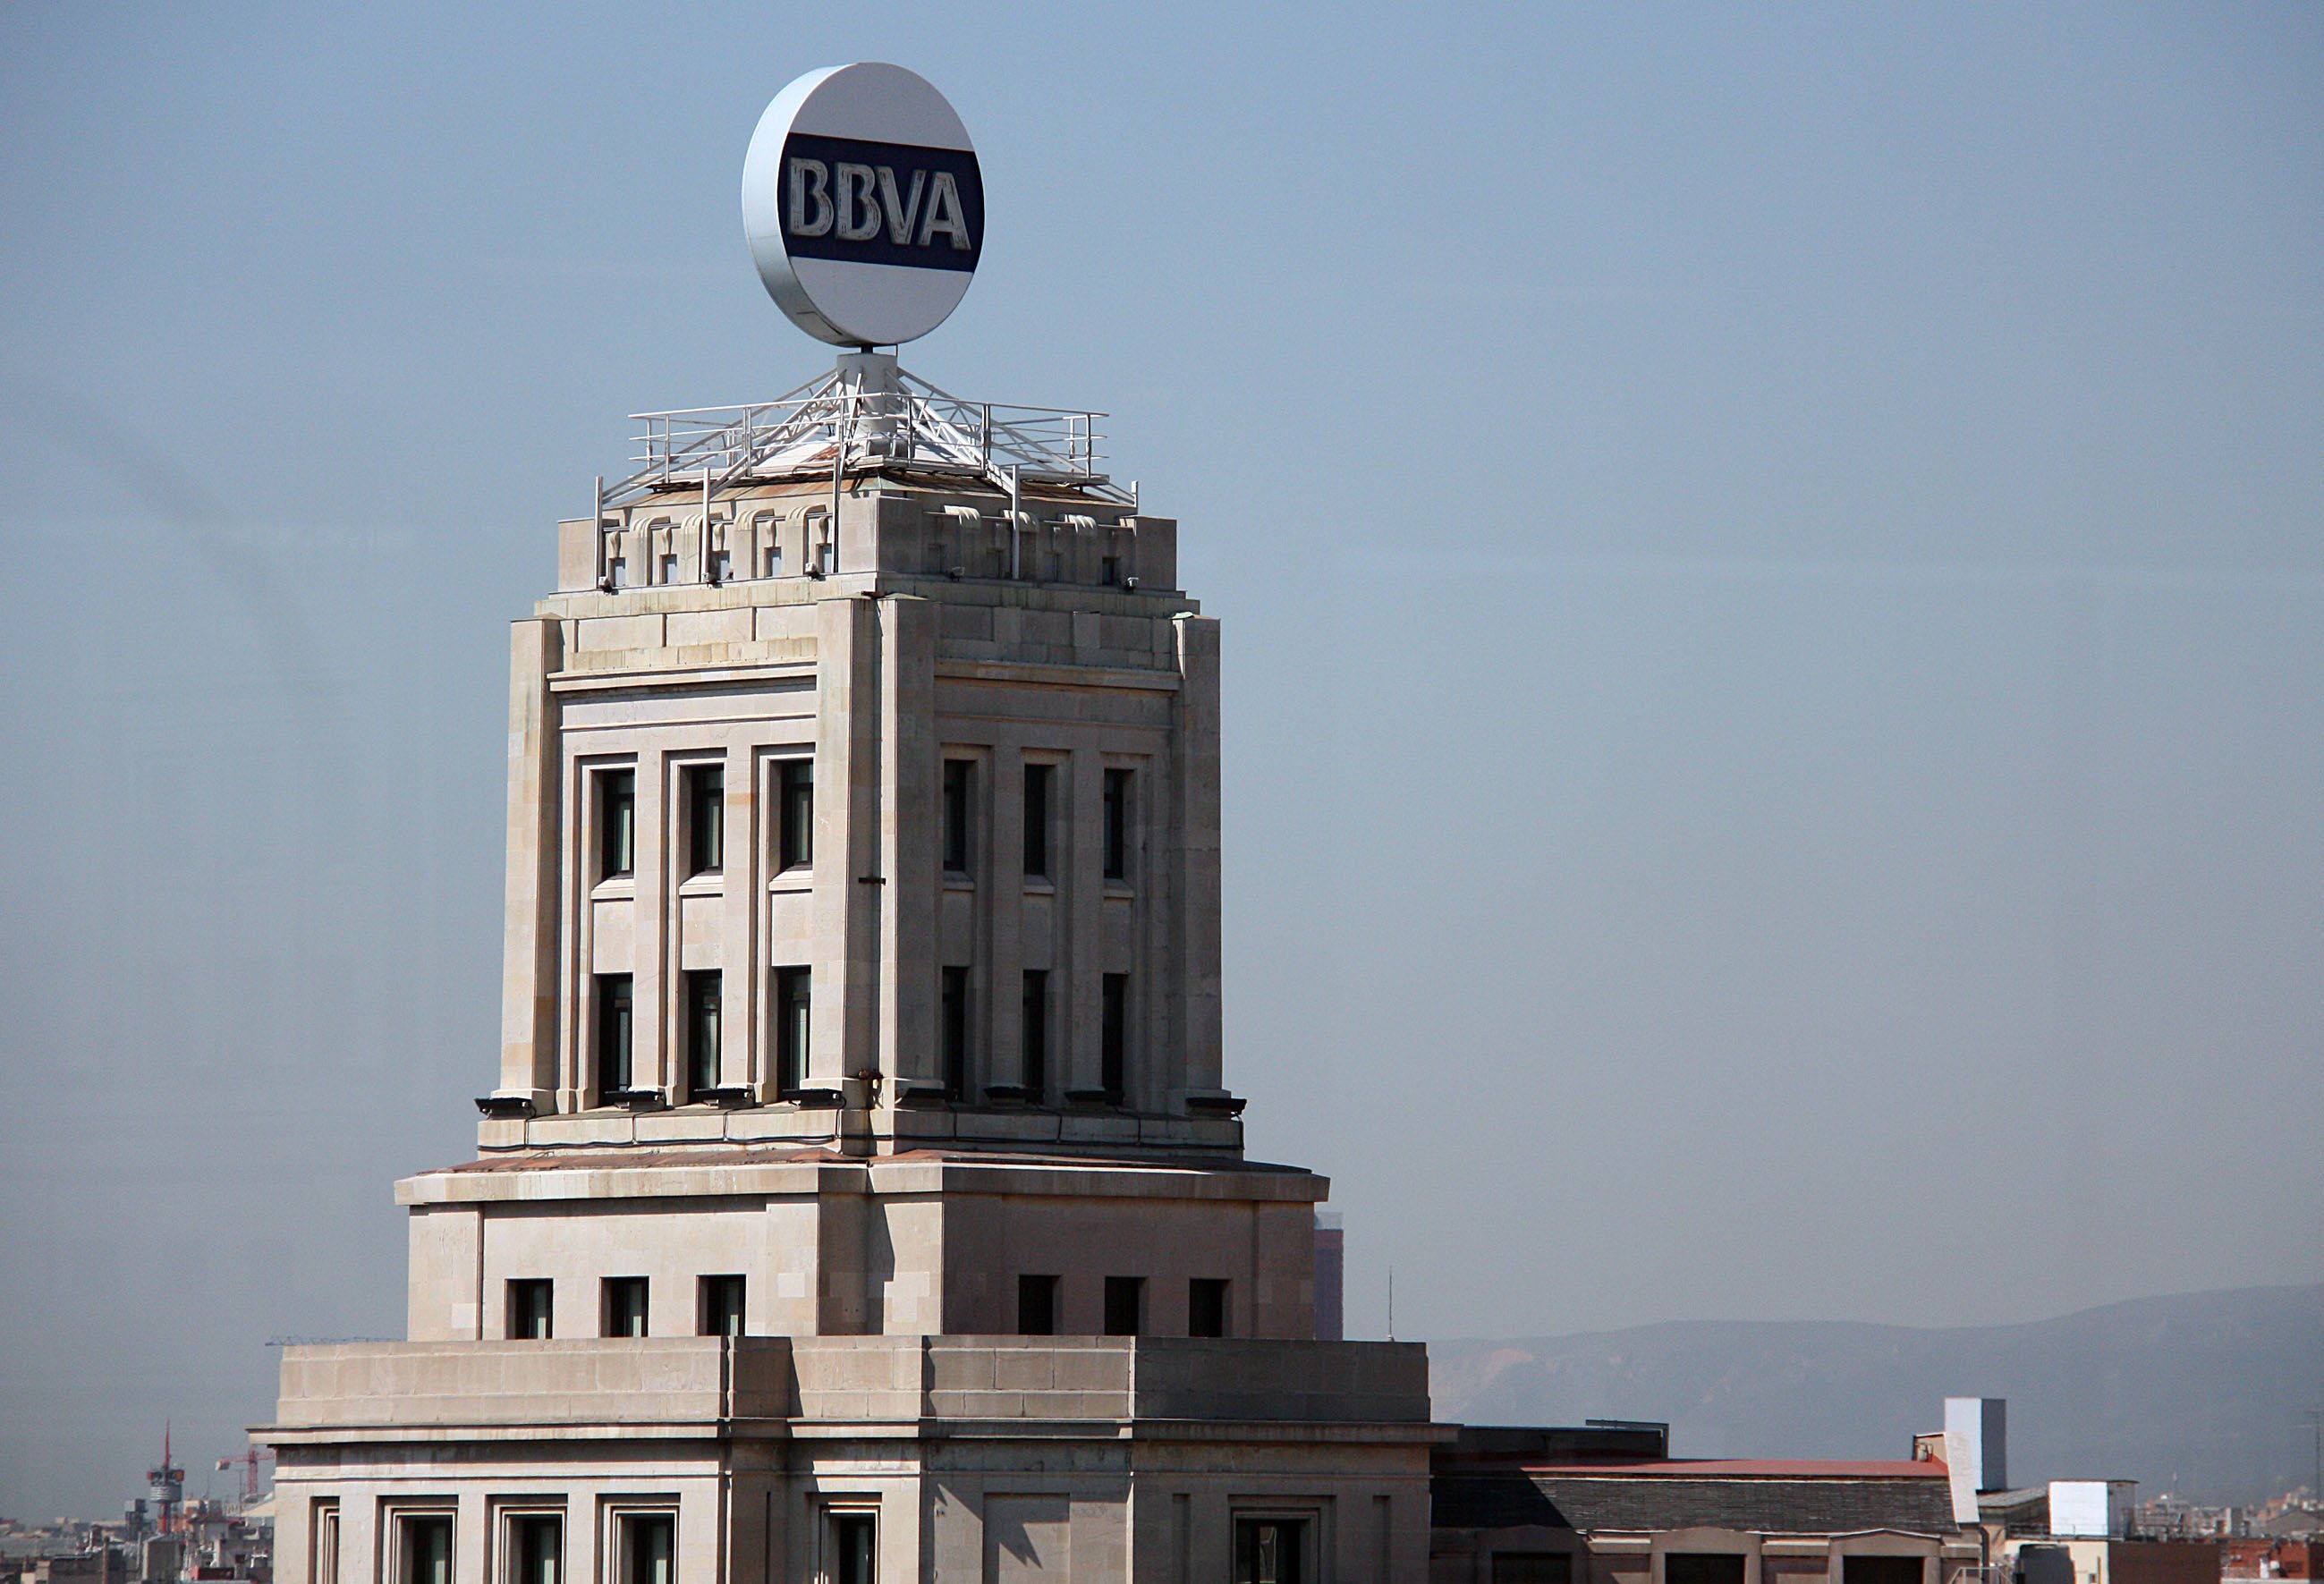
1770,555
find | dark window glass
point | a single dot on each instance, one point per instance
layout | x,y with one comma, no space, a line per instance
427,1548
1036,1306
1125,1305
793,997
855,1549
617,809
722,1306
796,842
1117,825
1702,1567
1036,1035
1206,1307
613,1024
955,1012
1533,1566
1876,1570
648,1547
625,1306
1270,1551
701,1015
530,1310
706,819
956,772
1113,1034
536,1549
1110,569
1036,818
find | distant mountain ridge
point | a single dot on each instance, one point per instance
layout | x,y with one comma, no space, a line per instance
2199,1394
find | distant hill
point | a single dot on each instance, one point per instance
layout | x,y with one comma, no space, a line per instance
2199,1395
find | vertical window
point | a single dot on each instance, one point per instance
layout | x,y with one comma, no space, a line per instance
617,571
1035,1024
613,1028
423,1542
722,1306
536,1549
1110,569
530,1310
1117,825
794,994
1114,1036
646,1548
855,1541
617,807
1270,1551
701,1012
722,565
1036,1306
625,1306
1036,818
1206,1307
955,1012
669,568
1125,1305
955,814
796,841
326,1569
706,819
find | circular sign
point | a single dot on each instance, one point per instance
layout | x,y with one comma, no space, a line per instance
863,203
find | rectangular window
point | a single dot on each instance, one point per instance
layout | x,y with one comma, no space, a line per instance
1036,818
702,1014
423,1543
617,810
326,1569
536,1549
669,568
1270,1551
1206,1307
625,1306
955,1012
646,1548
706,819
1036,1306
956,772
722,1306
1871,1570
529,1309
1125,1305
796,842
1702,1567
1114,1036
854,1541
1117,825
613,1028
1035,1023
1533,1566
794,997
722,565
1110,569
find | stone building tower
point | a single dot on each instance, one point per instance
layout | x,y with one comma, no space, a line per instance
860,1197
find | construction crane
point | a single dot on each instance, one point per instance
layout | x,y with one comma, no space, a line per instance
249,1462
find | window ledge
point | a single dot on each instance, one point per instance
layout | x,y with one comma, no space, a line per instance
616,888
710,882
1121,888
1040,885
958,880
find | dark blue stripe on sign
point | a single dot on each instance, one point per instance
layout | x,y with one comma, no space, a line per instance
870,203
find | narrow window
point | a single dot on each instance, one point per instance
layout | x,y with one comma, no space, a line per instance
617,807
1035,1023
529,1309
722,565
706,819
1206,1307
1117,825
1867,1569
669,568
617,571
1270,1551
1110,569
702,1009
1114,1036
955,814
796,843
1125,1305
425,1540
855,1548
1036,1306
1533,1566
1037,819
536,1549
648,1548
794,989
613,1024
955,1032
625,1306
1704,1567
722,1306
327,1541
